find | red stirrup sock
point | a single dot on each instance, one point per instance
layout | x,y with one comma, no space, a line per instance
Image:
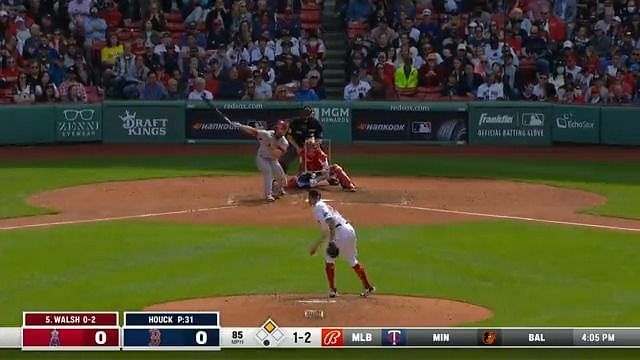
359,269
330,269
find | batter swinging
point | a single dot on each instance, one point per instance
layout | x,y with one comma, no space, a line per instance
341,239
272,144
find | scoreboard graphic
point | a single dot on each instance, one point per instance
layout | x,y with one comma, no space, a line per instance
70,331
174,331
171,331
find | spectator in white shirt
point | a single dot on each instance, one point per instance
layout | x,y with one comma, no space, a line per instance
356,89
199,92
263,90
262,51
490,89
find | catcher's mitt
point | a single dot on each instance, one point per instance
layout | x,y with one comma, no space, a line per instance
332,250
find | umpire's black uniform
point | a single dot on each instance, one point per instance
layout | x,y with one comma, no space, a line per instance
300,129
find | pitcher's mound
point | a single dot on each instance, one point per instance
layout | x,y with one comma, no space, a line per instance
346,310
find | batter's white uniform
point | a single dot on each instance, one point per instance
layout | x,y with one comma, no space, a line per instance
345,234
268,165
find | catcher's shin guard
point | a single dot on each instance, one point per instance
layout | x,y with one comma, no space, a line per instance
345,180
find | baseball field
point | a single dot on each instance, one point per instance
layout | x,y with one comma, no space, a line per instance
450,236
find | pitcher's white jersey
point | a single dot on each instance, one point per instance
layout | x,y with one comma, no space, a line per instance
322,212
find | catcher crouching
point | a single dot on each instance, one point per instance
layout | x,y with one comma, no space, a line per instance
315,169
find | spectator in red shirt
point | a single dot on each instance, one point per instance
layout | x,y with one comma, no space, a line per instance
431,74
11,72
111,15
382,84
578,96
591,61
212,82
553,26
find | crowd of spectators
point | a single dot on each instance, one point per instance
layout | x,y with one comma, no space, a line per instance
86,50
565,51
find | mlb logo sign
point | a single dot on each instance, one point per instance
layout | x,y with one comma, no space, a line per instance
332,337
394,337
532,119
421,127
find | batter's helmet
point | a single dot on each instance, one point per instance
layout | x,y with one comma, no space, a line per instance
281,125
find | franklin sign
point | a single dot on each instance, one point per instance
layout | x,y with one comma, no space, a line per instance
495,119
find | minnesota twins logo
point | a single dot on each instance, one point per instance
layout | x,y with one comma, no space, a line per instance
394,337
54,340
155,337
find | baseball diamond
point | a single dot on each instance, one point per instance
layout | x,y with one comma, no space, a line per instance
449,236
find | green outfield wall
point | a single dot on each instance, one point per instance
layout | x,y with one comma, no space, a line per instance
495,123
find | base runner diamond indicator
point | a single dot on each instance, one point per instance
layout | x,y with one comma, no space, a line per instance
270,334
269,326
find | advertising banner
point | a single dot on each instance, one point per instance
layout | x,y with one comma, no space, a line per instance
576,124
496,123
78,122
143,121
397,123
335,117
204,123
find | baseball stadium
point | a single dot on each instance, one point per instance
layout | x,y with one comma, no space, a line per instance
304,179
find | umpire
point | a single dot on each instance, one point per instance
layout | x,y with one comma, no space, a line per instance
300,129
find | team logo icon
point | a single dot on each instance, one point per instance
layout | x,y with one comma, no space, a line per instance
332,337
155,337
394,337
54,338
489,337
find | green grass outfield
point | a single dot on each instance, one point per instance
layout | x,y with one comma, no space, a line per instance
528,274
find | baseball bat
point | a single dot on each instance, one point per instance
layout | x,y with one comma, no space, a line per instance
211,105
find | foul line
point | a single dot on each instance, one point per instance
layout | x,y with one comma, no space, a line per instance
509,217
437,210
115,218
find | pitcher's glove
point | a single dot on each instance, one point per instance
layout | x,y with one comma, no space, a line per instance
332,250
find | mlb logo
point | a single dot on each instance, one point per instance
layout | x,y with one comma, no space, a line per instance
532,119
394,337
332,337
421,127
316,112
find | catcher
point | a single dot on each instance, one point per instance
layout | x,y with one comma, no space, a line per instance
315,168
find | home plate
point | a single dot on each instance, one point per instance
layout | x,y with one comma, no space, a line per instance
317,301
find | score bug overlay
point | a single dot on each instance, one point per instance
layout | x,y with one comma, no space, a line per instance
75,330
194,330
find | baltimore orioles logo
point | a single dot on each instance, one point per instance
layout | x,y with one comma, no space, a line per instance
489,337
